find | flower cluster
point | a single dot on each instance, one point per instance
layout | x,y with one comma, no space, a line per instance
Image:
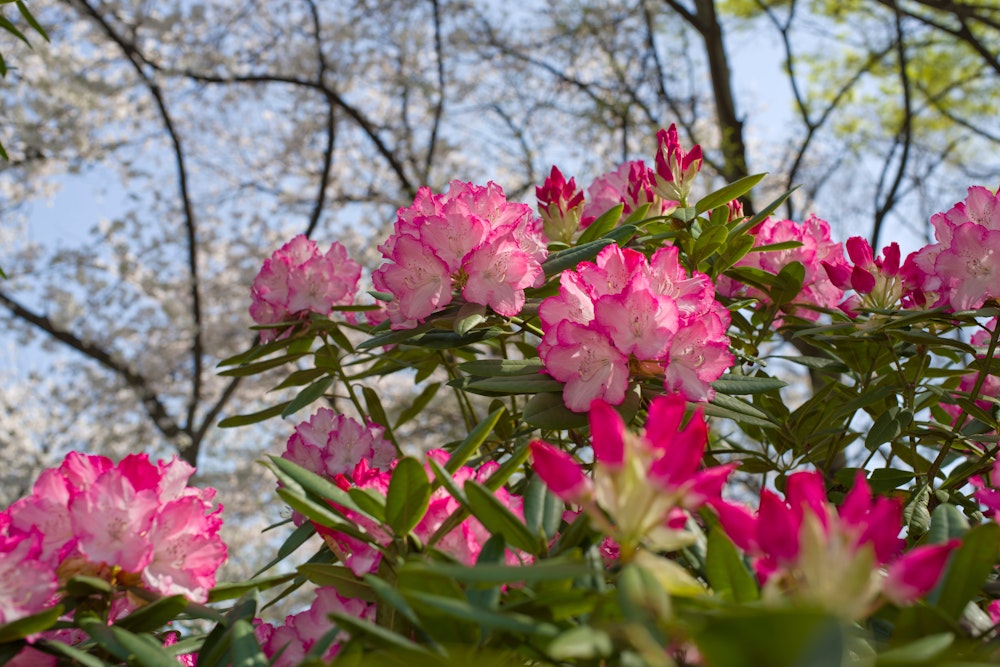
675,168
959,271
815,251
298,279
624,316
289,643
470,239
136,523
876,281
633,185
332,444
840,560
644,484
561,206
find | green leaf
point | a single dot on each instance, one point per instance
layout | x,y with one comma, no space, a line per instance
488,619
312,483
84,586
74,654
245,648
473,441
921,651
135,649
746,384
502,367
888,426
727,193
23,8
726,571
408,495
12,29
154,615
469,316
571,257
883,480
548,570
947,522
419,403
499,520
583,642
338,576
788,283
967,569
370,500
29,625
381,636
510,385
768,210
253,417
548,411
543,509
287,548
604,224
261,366
229,591
307,396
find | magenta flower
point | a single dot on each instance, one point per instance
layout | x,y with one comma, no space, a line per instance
561,206
643,485
807,551
469,239
632,185
623,317
30,581
675,168
876,280
298,279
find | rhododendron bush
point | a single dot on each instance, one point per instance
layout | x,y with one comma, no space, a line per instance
688,434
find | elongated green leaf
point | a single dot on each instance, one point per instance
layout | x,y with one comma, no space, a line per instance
23,8
499,520
571,257
254,417
728,193
83,586
154,615
419,403
12,29
261,366
287,548
604,224
393,597
768,210
338,576
548,411
30,625
381,636
947,522
307,396
370,500
746,384
967,569
393,337
543,510
245,648
473,441
313,483
513,385
75,654
487,619
788,283
502,367
407,497
550,569
726,571
230,591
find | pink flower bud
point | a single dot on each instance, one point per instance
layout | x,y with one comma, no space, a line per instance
917,572
560,472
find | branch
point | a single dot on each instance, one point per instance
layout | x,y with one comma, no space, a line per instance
137,60
331,122
890,197
154,407
439,107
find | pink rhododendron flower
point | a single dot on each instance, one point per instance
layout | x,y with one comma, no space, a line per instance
989,384
134,523
463,543
988,490
29,581
675,168
841,560
294,639
623,317
561,206
632,184
876,280
331,444
644,485
469,239
816,251
960,271
298,279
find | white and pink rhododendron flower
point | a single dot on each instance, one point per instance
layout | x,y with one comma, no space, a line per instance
631,185
838,559
469,240
816,252
644,485
961,270
299,279
135,523
331,444
624,317
289,643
